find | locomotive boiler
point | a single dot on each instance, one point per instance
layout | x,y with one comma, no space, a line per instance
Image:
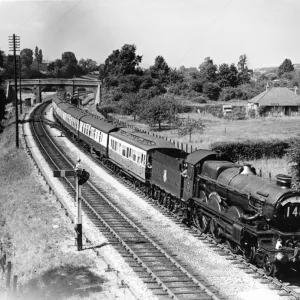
251,214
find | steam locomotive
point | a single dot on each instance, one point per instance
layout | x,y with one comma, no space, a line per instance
255,217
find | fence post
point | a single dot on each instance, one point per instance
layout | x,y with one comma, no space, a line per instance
177,145
270,176
181,146
187,148
15,281
191,148
260,173
8,275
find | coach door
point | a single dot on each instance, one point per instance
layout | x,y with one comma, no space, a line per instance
188,183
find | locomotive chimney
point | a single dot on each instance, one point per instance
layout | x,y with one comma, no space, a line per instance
284,181
246,169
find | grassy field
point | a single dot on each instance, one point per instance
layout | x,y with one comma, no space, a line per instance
35,233
217,130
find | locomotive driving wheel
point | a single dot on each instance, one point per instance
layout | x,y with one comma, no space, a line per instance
215,231
269,266
201,221
234,247
249,254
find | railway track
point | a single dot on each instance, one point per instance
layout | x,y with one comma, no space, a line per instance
160,270
288,287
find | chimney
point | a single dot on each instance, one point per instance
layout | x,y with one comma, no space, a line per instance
295,89
267,87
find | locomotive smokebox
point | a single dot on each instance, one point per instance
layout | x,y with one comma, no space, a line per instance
284,181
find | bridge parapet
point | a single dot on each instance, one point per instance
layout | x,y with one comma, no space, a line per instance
64,82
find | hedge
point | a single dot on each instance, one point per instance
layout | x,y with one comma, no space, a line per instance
252,149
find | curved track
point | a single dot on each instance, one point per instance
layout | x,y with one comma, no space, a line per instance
162,273
288,286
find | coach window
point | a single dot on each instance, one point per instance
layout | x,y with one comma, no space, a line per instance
138,157
143,159
133,155
123,150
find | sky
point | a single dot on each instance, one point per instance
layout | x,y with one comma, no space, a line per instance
184,32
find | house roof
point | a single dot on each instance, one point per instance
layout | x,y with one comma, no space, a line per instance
280,96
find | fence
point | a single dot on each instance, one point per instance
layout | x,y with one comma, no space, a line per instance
179,145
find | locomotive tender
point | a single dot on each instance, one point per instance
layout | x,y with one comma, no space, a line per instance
258,218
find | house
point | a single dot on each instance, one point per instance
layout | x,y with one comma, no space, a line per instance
276,101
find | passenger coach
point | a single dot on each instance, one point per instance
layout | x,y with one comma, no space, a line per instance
132,151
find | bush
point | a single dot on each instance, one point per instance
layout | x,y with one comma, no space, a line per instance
252,113
200,99
215,110
262,110
196,86
117,97
152,92
211,90
227,94
238,113
129,83
250,150
107,109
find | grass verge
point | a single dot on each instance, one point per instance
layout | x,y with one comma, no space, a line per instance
36,234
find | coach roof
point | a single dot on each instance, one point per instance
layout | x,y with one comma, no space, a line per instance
75,112
98,123
141,140
63,105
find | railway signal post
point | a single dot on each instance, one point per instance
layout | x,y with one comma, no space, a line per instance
81,177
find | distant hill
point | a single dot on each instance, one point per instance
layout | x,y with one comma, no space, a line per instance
272,69
265,70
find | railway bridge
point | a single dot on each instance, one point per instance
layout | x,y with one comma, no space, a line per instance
70,86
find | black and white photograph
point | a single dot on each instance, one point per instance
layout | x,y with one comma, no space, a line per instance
149,150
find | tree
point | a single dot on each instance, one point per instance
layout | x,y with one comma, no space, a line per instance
87,65
244,74
131,104
70,65
130,83
69,59
123,62
196,85
242,63
189,126
36,54
227,75
158,110
55,67
160,70
2,56
211,90
26,57
207,70
2,100
40,56
285,67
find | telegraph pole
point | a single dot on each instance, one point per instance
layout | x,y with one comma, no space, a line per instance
14,44
78,228
20,67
